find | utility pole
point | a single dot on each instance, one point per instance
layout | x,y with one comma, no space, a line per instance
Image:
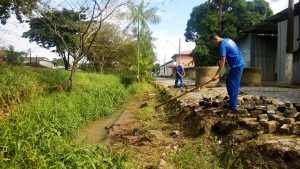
29,50
289,45
179,51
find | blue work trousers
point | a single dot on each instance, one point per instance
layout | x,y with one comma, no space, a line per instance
177,78
233,81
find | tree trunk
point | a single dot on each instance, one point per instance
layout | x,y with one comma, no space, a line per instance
70,82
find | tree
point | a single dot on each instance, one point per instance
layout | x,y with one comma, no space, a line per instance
58,62
106,49
12,57
84,31
19,7
228,17
64,36
139,17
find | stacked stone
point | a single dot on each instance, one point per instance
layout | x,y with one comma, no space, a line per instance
268,114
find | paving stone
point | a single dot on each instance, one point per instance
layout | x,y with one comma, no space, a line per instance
296,128
260,107
263,122
288,103
269,100
255,113
281,108
278,103
285,129
201,103
217,103
297,116
289,121
249,107
288,113
242,111
262,98
240,102
262,116
271,127
255,98
199,108
297,106
270,112
208,104
271,107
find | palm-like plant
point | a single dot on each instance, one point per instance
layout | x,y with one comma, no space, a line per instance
140,16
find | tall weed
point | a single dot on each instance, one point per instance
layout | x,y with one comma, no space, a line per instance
37,131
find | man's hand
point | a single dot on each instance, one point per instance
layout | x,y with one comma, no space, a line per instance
215,78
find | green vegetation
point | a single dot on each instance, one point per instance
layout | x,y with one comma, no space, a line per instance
12,57
193,157
228,18
42,118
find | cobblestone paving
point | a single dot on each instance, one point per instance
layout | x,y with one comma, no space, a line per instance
280,93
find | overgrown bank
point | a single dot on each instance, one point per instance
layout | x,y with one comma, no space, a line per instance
41,117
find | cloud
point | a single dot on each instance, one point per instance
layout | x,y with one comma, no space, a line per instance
279,5
11,34
167,44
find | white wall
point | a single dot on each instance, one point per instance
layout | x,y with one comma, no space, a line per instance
282,37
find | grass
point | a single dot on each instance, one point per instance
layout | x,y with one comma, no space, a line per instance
194,157
42,118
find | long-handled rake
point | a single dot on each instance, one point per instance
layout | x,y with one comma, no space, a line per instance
193,89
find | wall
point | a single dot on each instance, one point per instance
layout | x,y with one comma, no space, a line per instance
245,46
263,54
185,61
282,35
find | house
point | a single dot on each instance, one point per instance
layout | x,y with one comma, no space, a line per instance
167,69
185,59
265,46
38,62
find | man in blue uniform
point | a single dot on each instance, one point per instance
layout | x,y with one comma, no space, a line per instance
230,52
179,75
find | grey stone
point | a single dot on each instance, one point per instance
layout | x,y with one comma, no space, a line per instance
281,108
288,103
296,128
175,133
217,103
263,122
297,106
255,113
285,129
289,121
271,127
208,104
288,113
242,111
260,107
297,116
269,100
255,98
278,103
271,107
260,102
199,108
262,116
249,107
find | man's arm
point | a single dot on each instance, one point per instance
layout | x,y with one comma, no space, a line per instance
221,66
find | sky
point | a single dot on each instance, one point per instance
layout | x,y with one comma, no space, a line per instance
174,15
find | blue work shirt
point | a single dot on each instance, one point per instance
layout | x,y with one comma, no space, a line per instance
180,70
229,49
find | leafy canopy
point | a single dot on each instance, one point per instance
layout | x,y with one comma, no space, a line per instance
230,17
